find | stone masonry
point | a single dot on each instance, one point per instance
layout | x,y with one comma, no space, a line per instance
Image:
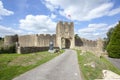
64,38
65,35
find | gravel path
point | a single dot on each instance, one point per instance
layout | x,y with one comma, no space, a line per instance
63,67
116,62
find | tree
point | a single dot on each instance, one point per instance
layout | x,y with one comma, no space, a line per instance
76,36
0,38
78,41
107,40
113,47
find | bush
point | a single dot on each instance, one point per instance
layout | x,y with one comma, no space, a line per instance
113,47
8,49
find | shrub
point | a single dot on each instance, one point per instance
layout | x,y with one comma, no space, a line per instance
8,49
113,47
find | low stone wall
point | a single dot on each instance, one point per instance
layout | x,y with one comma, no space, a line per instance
22,50
95,50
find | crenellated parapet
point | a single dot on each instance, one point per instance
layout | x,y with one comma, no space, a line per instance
27,40
65,29
37,40
85,42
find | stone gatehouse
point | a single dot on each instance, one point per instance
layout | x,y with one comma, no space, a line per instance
64,38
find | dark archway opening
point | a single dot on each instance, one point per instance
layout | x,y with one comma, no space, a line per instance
67,43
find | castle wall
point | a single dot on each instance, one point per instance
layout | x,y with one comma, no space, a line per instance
10,40
27,40
30,49
84,42
35,43
95,47
41,40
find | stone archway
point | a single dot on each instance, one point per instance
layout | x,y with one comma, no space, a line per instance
67,43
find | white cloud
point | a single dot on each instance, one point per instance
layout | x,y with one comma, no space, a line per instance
53,16
92,28
3,11
95,31
100,11
82,10
38,24
8,31
114,11
51,7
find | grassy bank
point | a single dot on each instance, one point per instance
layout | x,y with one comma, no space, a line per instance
91,73
12,65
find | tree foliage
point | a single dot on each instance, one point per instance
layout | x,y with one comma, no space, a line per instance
113,47
77,36
107,40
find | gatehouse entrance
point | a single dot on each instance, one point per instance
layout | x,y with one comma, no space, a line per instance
65,43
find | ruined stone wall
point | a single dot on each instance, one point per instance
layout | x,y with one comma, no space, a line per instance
10,40
38,40
89,43
27,40
95,47
35,43
84,42
22,50
43,40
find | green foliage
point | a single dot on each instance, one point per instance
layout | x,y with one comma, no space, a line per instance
107,40
109,33
113,47
1,38
76,36
90,73
8,49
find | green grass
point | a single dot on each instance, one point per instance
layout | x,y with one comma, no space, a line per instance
12,65
101,63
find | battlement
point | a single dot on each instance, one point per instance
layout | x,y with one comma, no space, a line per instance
85,42
65,23
65,34
45,35
36,40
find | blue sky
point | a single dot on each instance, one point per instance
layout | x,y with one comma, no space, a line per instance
92,18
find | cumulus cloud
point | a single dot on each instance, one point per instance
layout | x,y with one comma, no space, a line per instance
82,10
53,16
38,24
3,11
95,31
8,31
114,11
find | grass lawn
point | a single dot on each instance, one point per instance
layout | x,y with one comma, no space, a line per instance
90,73
12,65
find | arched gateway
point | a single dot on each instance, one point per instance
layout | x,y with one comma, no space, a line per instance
65,34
